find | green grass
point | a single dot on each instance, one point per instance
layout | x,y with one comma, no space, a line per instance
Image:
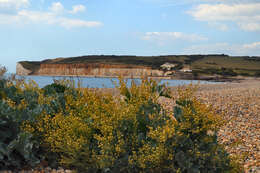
226,62
152,61
206,64
245,66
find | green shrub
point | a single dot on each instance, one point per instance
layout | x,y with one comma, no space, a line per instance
54,88
99,132
17,148
90,131
23,103
194,145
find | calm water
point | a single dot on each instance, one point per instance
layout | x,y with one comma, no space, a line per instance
93,82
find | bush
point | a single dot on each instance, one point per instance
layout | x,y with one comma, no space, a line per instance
194,145
23,103
54,88
98,132
89,131
17,148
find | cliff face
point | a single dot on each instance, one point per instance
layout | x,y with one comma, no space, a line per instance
22,71
98,70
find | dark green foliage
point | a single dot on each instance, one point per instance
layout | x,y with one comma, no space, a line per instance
213,71
227,72
57,92
17,148
194,149
54,88
22,151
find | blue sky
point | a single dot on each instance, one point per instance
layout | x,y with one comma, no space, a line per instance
40,29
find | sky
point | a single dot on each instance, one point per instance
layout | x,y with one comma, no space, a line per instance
35,30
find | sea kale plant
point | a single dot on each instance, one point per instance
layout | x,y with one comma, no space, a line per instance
18,103
22,103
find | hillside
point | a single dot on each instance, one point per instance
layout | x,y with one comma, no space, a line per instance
222,65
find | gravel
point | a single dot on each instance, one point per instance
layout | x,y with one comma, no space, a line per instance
239,104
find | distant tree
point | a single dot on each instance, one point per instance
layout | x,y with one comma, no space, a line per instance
227,72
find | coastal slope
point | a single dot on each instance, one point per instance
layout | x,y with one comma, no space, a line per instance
138,66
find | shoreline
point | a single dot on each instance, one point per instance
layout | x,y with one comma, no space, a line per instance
236,79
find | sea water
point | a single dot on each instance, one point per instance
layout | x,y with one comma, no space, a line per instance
99,82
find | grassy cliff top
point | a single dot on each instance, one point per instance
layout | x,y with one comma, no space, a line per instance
151,61
244,65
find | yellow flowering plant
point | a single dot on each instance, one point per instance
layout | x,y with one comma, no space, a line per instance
92,131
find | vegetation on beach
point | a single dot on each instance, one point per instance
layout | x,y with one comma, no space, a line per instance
89,131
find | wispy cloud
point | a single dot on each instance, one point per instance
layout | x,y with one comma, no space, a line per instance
11,6
57,8
169,3
252,46
55,15
164,37
71,23
245,15
77,9
227,48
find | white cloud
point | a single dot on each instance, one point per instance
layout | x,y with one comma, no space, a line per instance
54,16
245,15
216,48
220,26
11,6
162,37
221,1
71,23
14,3
26,16
252,46
252,49
77,9
250,26
169,3
57,8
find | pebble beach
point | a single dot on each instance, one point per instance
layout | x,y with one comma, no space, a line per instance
239,104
